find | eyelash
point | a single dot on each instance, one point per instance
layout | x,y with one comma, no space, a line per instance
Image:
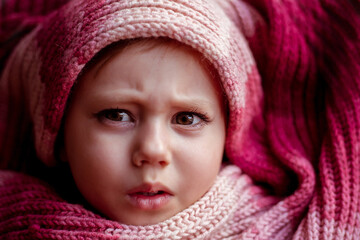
102,115
202,116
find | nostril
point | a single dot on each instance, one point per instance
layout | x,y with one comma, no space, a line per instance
163,163
146,156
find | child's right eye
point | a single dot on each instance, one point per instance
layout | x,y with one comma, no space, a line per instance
116,115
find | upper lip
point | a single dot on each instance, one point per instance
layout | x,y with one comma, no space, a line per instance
149,188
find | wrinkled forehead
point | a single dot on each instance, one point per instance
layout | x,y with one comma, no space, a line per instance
72,39
140,46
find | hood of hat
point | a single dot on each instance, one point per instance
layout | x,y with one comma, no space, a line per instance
61,46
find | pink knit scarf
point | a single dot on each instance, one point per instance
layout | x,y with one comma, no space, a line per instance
30,209
302,123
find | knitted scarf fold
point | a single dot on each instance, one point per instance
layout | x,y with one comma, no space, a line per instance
30,209
303,136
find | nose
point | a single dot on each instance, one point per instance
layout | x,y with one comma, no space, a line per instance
151,146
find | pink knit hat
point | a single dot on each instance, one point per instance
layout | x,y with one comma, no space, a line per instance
47,62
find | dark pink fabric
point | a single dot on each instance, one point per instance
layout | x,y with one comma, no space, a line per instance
304,139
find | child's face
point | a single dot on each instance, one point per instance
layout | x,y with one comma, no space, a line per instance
145,133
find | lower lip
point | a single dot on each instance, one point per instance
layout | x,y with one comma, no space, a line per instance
149,202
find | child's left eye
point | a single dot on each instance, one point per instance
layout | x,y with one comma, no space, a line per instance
189,118
186,119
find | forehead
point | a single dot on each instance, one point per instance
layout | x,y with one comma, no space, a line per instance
143,45
160,66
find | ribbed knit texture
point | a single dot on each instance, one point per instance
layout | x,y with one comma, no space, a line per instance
17,18
30,209
296,130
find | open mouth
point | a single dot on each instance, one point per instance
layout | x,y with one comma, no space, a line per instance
149,189
149,196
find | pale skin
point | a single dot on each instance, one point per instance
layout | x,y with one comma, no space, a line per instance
145,133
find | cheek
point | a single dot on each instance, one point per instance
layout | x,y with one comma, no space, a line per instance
199,160
93,154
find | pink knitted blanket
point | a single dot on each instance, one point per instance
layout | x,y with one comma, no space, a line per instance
304,142
30,209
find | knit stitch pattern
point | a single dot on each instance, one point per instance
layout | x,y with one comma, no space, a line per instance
52,56
291,73
31,209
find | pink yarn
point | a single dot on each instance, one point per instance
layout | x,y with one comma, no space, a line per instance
296,130
231,205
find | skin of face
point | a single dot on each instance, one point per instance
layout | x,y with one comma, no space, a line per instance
145,132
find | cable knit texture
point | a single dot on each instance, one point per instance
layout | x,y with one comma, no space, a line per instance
291,74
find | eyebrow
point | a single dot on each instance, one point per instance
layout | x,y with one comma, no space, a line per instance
137,99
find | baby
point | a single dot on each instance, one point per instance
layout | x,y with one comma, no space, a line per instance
139,101
145,131
156,109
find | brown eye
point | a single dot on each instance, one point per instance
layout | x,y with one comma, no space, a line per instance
186,119
116,115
